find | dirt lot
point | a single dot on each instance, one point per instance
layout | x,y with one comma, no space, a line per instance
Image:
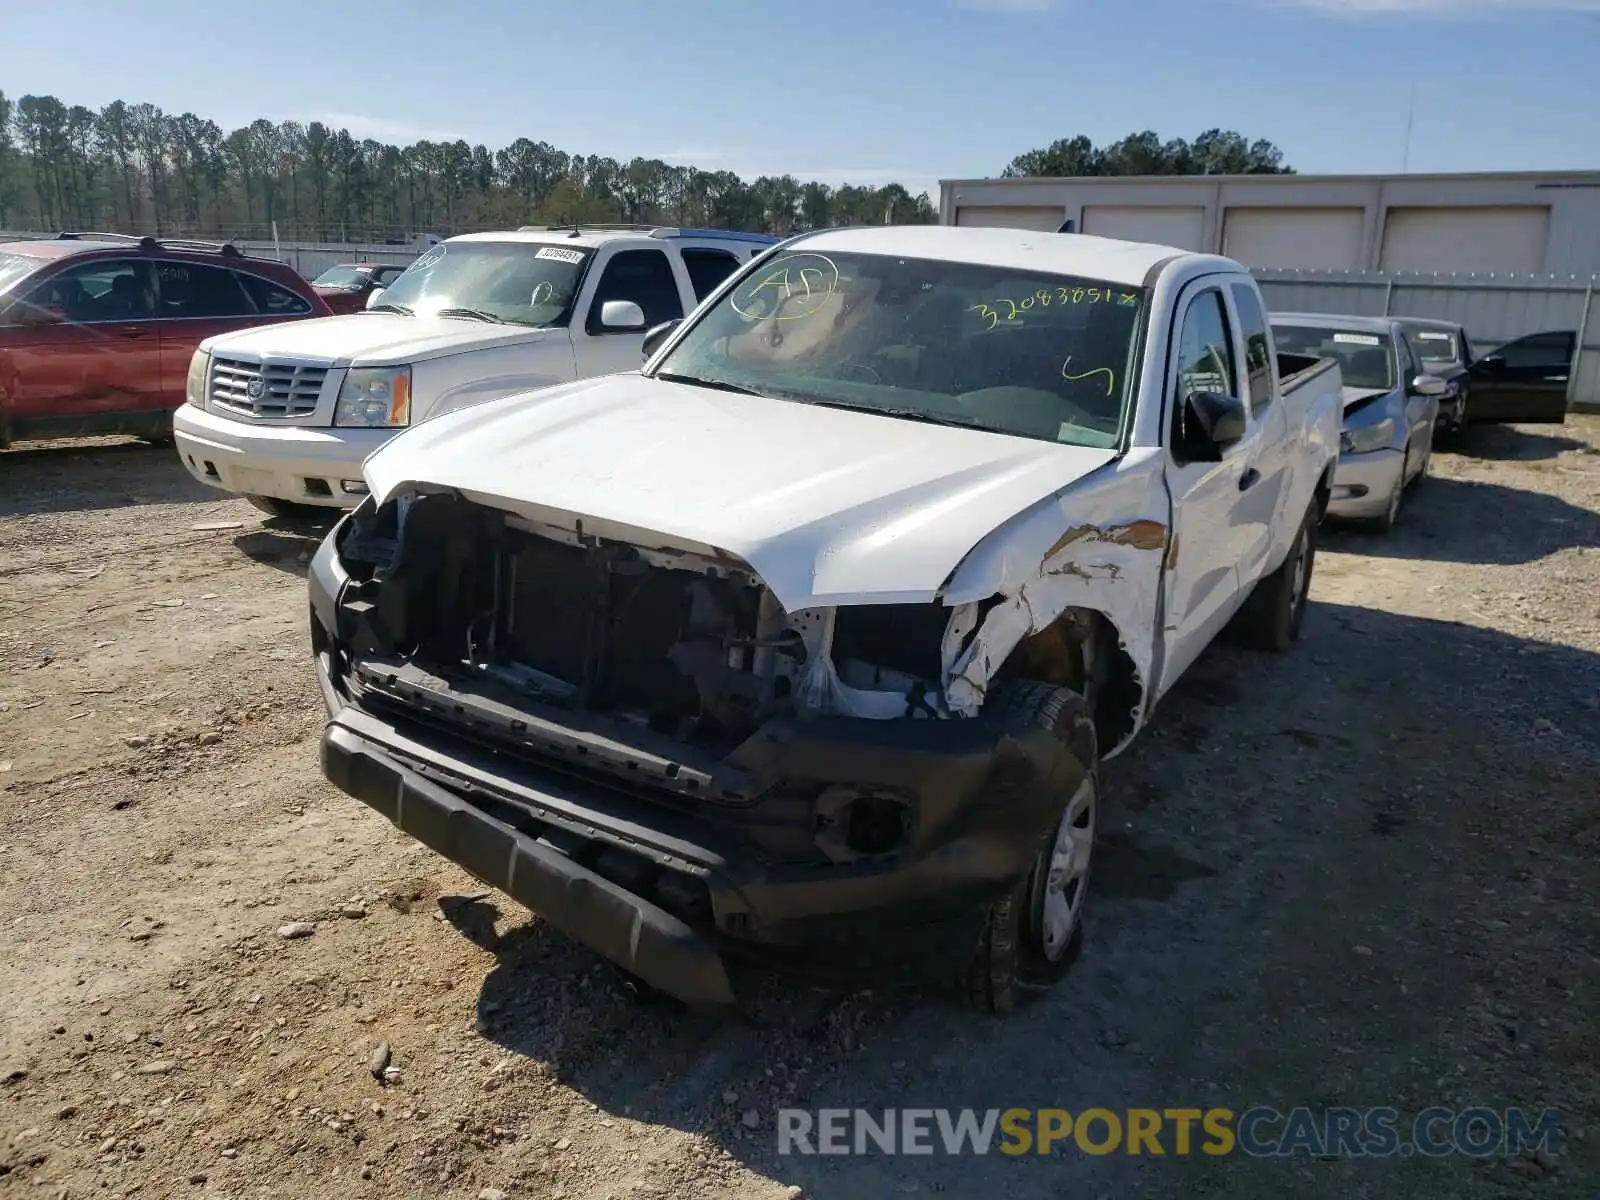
1360,874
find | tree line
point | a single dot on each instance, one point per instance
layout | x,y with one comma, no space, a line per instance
134,168
1214,152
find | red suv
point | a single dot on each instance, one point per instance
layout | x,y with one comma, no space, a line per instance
97,329
347,286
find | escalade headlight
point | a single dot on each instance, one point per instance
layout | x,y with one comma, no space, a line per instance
194,388
1367,438
375,398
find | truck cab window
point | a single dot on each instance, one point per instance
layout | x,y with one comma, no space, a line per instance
707,269
1205,353
1257,347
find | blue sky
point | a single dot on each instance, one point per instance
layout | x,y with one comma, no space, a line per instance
860,92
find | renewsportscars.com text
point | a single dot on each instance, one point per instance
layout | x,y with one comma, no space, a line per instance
1259,1132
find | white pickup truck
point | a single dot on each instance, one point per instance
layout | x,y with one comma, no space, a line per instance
285,414
814,632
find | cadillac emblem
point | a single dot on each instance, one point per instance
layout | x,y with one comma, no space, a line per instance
255,389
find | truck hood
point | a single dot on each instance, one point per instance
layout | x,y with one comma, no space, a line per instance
828,506
374,339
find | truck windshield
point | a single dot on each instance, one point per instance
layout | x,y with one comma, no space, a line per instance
347,278
520,282
14,267
1366,360
1051,357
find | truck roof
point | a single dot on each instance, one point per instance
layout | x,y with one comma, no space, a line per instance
591,237
1127,263
1347,321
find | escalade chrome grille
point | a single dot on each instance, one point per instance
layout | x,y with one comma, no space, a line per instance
272,390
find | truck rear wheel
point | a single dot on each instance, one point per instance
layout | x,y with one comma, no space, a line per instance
1272,616
1032,936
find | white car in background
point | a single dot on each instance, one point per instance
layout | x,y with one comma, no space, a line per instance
285,414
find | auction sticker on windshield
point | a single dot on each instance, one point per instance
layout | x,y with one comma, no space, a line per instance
560,254
1358,339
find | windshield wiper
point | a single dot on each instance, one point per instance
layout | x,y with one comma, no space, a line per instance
720,385
388,307
906,414
475,313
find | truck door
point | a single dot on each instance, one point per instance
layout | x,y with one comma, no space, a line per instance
644,277
1269,465
1202,582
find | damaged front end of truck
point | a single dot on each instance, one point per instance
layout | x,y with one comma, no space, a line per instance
638,741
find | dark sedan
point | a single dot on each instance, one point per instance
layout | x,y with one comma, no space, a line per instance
1442,348
1524,380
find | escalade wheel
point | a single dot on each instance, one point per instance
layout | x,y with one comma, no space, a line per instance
1035,932
1272,616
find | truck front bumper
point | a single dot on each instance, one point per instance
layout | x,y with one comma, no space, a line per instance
283,462
1362,484
665,887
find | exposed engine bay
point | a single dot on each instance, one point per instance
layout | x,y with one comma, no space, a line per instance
686,648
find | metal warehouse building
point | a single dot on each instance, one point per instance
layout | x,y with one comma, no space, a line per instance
1501,223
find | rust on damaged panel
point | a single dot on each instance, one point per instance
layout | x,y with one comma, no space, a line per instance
1141,535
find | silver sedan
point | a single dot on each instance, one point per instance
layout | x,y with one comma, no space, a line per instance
1391,407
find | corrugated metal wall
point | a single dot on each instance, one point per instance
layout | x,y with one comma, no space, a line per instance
1493,309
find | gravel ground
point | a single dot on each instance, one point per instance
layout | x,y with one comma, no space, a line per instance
1360,874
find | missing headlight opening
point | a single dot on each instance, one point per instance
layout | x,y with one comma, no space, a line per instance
689,647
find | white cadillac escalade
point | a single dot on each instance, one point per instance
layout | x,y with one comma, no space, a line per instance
285,414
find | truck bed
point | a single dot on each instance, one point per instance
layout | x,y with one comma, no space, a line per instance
1297,370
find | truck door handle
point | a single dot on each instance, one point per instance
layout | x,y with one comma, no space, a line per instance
1249,479
134,331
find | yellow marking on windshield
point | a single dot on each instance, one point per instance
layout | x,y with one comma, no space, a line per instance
803,281
1111,376
1004,309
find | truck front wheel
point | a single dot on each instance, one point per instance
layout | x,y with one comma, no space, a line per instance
1033,935
1272,616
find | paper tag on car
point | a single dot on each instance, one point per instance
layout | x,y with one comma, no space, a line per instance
560,254
1433,337
1358,339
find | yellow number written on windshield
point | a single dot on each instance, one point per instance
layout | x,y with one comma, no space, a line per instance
1003,309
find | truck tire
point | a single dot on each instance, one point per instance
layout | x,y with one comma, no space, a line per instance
1034,933
1271,618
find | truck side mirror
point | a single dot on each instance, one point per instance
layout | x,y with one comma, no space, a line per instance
1429,385
659,334
621,316
1210,422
